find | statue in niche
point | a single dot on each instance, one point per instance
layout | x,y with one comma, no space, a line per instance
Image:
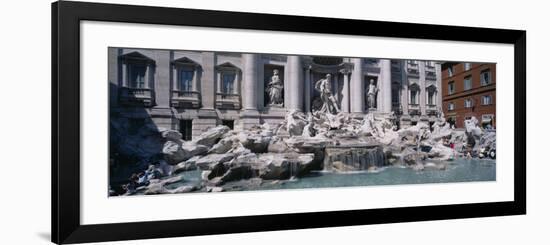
329,103
275,89
371,95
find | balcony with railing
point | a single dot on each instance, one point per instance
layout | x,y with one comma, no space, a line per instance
412,69
430,75
186,99
429,67
228,101
431,110
414,109
136,96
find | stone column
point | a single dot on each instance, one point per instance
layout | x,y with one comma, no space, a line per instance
161,79
250,81
422,83
404,89
148,78
208,80
334,84
295,82
114,68
206,117
345,92
438,93
175,77
160,82
385,91
125,74
307,97
218,82
357,93
195,78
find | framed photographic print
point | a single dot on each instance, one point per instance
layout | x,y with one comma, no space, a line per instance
177,122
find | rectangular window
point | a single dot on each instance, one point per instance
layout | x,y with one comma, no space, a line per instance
485,77
451,106
450,71
136,75
468,103
414,97
431,96
186,127
486,100
468,83
451,87
228,80
186,80
467,66
430,63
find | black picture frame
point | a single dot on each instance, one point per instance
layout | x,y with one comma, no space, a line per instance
66,18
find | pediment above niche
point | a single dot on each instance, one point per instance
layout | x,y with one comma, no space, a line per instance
136,56
184,61
431,87
413,81
414,86
227,66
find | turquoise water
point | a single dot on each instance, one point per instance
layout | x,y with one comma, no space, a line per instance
459,170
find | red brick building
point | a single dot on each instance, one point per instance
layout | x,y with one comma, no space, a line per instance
469,90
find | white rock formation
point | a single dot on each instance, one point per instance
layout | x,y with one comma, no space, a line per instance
441,129
209,161
211,136
284,165
176,152
472,127
294,122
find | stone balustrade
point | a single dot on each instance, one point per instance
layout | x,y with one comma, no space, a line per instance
186,99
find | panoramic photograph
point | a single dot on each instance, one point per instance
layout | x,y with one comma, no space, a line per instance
188,121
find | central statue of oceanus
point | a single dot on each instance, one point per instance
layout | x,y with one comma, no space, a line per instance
330,104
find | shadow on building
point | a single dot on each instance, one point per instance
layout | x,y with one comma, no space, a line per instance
135,141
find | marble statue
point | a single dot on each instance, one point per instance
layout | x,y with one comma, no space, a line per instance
371,95
275,89
329,103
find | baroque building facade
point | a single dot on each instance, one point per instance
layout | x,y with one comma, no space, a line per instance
191,91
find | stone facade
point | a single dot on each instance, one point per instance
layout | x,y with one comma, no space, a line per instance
185,90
